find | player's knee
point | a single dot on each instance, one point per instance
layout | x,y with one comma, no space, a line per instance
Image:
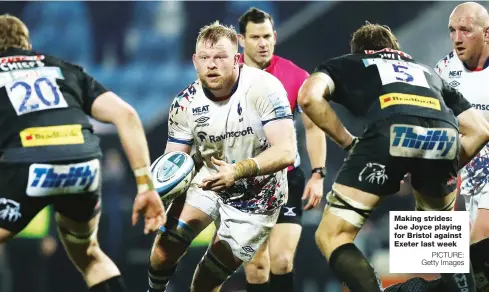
258,269
282,262
165,254
82,247
5,235
171,244
479,233
351,216
351,211
257,272
321,239
327,237
480,228
213,267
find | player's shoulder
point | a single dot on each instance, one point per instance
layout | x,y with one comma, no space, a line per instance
331,65
254,74
290,66
259,78
187,96
51,60
450,60
258,84
42,59
340,59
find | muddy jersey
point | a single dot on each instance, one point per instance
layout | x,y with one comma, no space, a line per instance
377,85
43,109
474,176
233,130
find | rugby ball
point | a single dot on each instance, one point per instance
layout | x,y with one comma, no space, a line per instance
172,173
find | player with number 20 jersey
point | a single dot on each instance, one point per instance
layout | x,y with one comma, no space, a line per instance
50,155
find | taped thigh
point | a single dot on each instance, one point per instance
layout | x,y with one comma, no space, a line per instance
178,231
78,237
217,268
423,206
349,210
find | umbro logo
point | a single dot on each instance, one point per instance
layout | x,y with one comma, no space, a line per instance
454,83
202,120
248,249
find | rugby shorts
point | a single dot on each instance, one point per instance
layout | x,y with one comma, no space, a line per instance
72,187
426,148
291,212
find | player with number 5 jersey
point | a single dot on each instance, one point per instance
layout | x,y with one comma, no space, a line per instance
50,155
413,122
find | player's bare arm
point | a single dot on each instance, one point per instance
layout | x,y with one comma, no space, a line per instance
281,136
282,152
473,127
110,108
474,131
171,147
313,101
316,149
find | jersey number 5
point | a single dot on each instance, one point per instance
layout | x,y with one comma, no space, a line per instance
391,71
30,95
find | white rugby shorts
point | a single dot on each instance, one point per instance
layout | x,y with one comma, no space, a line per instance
244,232
475,202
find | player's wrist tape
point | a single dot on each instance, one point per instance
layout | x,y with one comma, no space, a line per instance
246,168
144,181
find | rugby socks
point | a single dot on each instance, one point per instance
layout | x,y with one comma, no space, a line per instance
114,284
353,269
158,280
418,285
459,282
264,287
479,257
282,283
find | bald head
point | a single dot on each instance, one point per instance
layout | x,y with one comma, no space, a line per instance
469,33
471,10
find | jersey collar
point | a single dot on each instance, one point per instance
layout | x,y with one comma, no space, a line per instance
486,64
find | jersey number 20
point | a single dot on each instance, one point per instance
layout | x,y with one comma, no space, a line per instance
30,95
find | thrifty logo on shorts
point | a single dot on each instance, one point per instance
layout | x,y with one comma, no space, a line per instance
390,99
55,135
427,143
46,179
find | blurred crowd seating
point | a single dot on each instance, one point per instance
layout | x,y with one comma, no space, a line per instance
144,64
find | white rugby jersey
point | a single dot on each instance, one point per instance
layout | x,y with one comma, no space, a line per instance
233,130
472,84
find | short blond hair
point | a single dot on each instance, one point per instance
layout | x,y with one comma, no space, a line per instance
215,31
13,33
